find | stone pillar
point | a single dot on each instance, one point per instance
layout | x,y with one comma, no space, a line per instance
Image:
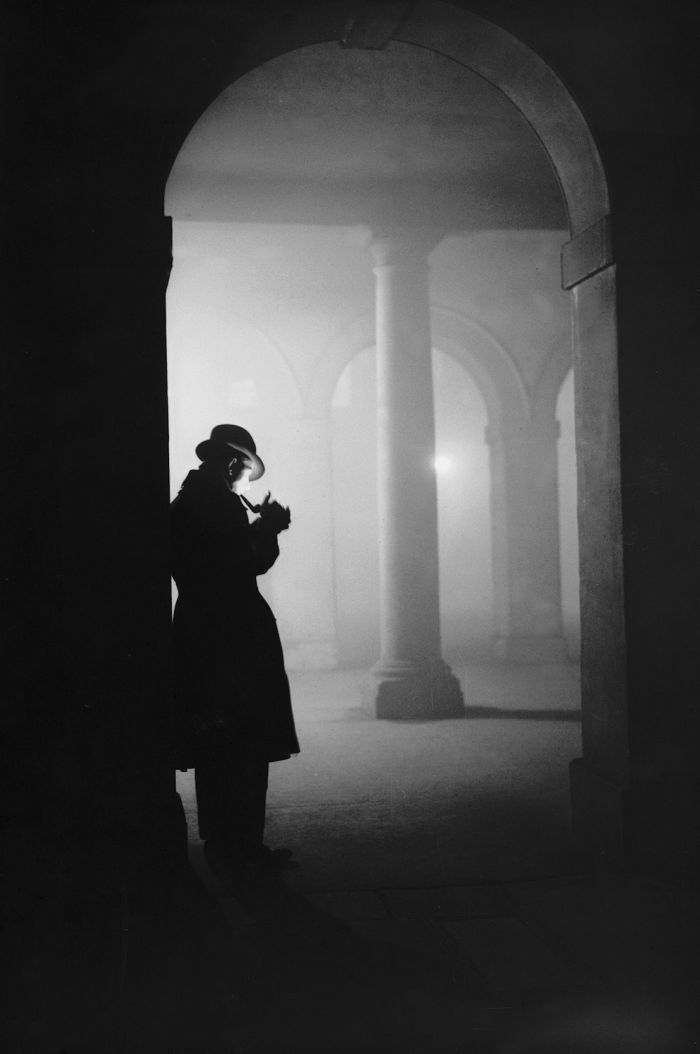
410,680
525,518
612,822
111,409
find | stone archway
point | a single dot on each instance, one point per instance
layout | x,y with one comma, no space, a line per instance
524,523
500,390
456,334
588,271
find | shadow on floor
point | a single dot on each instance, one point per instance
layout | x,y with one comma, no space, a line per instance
143,957
497,712
157,965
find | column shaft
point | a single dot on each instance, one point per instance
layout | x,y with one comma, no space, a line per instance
410,679
407,489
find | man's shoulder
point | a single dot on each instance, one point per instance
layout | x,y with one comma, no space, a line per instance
197,486
186,493
206,498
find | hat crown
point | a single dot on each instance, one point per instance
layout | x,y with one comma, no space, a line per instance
233,434
232,437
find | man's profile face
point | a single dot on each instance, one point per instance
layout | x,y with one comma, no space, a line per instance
240,469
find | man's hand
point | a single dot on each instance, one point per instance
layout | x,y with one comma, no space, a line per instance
274,516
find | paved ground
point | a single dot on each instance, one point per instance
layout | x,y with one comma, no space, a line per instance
576,965
439,909
439,904
385,803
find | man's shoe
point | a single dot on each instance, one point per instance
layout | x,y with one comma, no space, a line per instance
281,860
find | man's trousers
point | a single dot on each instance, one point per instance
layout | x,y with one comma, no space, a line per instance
231,791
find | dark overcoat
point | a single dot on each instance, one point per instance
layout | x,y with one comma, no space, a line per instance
230,681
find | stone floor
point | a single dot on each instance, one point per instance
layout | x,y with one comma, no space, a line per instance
439,890
388,803
439,908
568,965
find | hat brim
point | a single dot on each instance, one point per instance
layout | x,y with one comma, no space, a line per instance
208,447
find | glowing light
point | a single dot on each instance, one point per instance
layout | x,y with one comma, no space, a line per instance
442,465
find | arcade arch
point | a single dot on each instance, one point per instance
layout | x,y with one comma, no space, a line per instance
463,499
515,484
588,272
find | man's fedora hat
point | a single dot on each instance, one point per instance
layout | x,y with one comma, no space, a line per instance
231,437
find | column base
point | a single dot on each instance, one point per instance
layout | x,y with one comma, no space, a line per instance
531,649
403,691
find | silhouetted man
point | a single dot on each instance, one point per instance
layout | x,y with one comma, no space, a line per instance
234,712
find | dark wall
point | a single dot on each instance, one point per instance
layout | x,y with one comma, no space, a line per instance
97,101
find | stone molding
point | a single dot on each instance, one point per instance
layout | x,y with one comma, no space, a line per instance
587,253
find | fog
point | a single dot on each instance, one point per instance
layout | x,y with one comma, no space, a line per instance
271,327
278,195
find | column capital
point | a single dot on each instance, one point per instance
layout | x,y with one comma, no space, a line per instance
401,245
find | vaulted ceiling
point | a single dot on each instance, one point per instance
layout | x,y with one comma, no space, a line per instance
330,135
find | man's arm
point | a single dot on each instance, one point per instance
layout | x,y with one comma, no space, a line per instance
273,518
264,544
